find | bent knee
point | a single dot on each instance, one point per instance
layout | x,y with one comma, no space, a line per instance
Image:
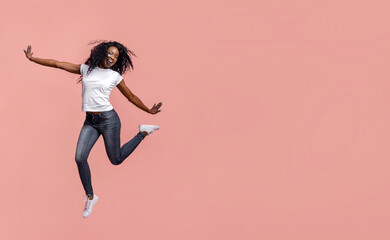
115,161
80,159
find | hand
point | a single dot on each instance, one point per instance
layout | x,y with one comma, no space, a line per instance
155,108
28,52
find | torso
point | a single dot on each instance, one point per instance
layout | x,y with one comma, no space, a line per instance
96,88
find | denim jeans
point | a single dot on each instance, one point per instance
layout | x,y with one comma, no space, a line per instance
108,124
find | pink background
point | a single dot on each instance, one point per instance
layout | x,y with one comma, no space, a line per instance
274,125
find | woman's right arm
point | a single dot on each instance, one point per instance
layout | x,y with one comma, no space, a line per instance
70,67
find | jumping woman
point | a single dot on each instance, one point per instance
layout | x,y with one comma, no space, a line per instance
100,73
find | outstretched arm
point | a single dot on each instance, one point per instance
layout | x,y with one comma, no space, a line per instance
135,100
70,67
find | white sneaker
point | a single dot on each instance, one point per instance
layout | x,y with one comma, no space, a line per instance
89,205
148,128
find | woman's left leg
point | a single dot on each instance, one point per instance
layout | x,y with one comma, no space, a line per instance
112,142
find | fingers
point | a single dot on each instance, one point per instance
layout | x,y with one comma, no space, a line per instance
28,51
25,52
155,108
158,105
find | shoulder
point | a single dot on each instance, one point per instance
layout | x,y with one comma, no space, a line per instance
84,66
117,77
116,74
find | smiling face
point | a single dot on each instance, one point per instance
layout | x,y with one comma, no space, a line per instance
111,58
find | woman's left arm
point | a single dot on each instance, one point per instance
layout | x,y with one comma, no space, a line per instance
135,100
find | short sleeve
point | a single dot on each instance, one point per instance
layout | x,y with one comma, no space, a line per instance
118,79
83,69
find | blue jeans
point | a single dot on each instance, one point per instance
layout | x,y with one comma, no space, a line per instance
109,125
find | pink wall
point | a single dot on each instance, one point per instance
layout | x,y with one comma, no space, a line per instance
274,125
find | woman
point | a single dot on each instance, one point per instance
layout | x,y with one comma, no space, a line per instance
101,72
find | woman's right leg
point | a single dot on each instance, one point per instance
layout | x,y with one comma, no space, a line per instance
88,137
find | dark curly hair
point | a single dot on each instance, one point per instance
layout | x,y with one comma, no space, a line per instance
99,52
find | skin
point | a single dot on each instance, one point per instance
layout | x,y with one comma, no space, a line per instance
108,62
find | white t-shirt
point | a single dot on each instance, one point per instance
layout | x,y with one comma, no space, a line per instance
97,86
